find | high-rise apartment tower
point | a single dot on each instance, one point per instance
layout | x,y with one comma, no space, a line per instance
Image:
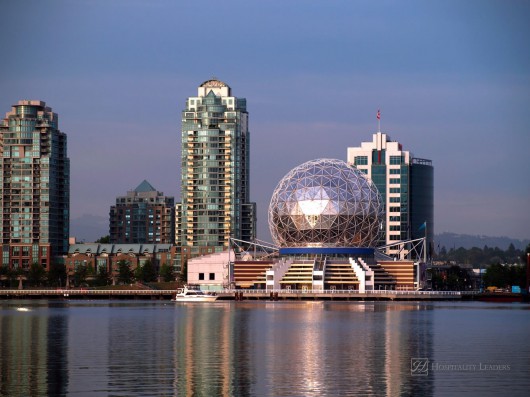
215,170
35,186
405,184
143,216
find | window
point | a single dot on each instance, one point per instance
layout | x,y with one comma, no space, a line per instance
212,276
395,160
201,276
361,160
394,180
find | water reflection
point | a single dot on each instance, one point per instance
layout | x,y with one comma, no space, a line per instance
310,349
239,348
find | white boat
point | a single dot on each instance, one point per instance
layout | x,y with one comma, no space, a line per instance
193,295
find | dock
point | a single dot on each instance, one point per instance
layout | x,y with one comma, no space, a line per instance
240,294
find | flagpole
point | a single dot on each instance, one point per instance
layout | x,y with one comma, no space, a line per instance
425,245
378,120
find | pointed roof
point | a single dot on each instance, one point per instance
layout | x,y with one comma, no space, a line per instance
145,187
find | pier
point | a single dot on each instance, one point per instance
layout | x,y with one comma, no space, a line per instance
241,294
339,295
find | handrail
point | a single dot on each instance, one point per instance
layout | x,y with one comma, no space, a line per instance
230,291
333,291
85,291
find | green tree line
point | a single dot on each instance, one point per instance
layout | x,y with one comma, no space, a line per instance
56,276
482,256
503,269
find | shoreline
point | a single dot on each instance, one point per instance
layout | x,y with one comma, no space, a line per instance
263,295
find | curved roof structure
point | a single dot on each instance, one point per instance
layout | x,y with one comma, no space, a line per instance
325,203
213,83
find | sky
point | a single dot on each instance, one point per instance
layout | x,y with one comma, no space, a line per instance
451,77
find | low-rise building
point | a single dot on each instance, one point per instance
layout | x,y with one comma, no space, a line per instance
107,257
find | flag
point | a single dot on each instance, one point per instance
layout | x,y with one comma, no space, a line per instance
423,225
378,114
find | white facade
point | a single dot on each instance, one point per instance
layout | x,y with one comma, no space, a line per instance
393,185
210,272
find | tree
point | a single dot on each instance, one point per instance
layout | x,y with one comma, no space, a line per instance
5,275
36,275
56,275
498,275
145,272
102,277
526,252
125,274
16,274
167,273
103,240
481,257
80,275
183,275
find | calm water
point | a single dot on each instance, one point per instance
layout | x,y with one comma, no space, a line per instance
156,348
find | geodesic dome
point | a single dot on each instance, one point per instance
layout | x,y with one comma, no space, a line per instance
325,203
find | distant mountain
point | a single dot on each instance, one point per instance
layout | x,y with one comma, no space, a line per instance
454,240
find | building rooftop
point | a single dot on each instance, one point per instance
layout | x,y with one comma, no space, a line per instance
145,187
97,249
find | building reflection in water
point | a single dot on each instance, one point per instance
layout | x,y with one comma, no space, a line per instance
32,350
310,349
223,348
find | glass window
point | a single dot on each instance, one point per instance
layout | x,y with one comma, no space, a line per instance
212,276
394,160
201,276
361,160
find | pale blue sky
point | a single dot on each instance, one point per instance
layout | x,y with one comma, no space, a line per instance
452,79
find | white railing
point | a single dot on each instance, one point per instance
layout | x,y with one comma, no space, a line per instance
86,291
351,292
230,291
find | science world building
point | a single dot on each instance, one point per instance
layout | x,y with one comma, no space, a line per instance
326,217
325,203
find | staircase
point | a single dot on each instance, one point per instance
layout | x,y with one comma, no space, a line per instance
249,273
340,275
276,273
299,275
382,278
